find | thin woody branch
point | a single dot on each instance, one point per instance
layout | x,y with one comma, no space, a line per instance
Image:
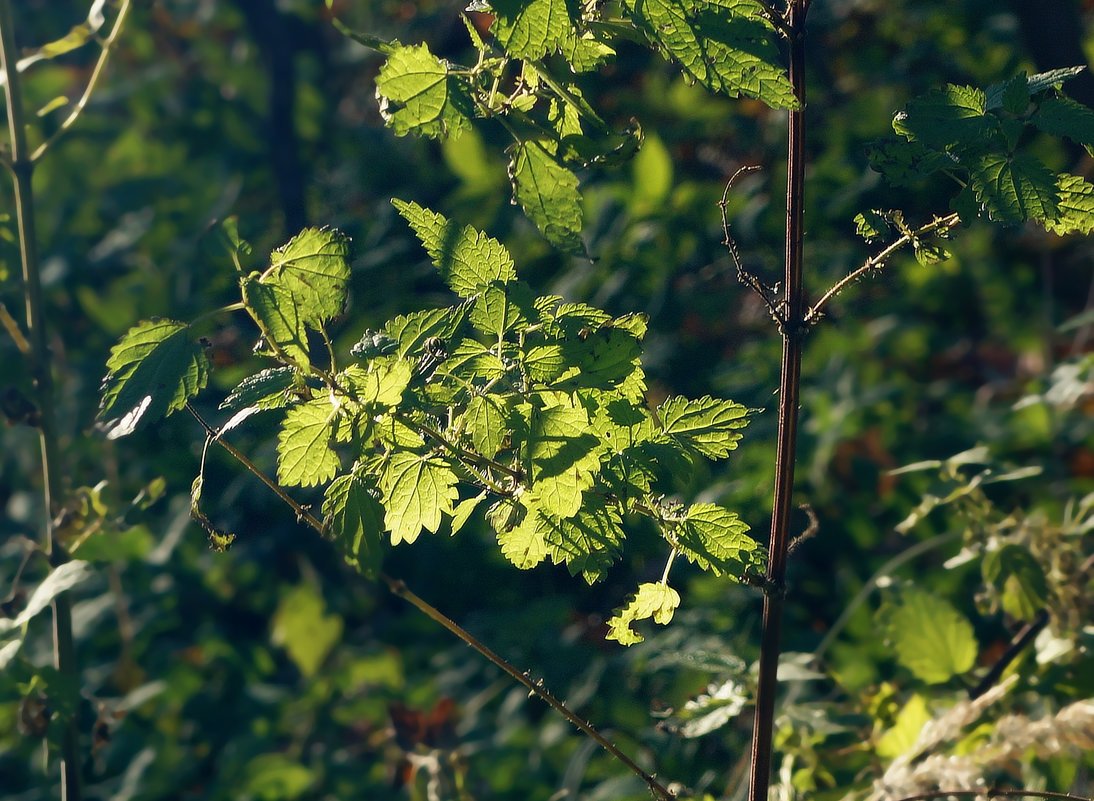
938,225
399,588
96,73
765,292
995,793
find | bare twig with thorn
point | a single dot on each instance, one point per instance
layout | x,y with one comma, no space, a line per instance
765,292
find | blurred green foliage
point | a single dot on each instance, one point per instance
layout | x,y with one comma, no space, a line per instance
274,672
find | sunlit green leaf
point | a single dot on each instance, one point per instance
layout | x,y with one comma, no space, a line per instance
548,193
706,425
563,457
417,490
930,637
466,258
263,390
726,45
531,29
486,422
657,601
1076,208
902,736
314,267
304,453
588,542
717,540
418,93
303,628
381,384
153,371
277,314
354,520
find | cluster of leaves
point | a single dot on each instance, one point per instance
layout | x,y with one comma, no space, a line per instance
530,404
527,78
982,140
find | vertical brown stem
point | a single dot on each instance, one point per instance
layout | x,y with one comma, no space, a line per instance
22,166
793,302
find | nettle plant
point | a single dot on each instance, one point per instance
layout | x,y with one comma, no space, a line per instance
530,406
534,408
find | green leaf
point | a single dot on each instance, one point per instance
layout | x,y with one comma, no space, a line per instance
930,637
1076,209
544,363
418,93
588,542
275,310
530,29
276,777
904,733
585,52
871,225
524,543
1043,81
605,358
267,389
501,308
302,627
1035,84
707,425
1017,575
314,267
354,519
381,384
416,491
1015,188
463,511
466,258
903,162
563,456
1061,116
726,45
658,601
945,117
1015,95
304,454
716,540
153,371
63,578
547,192
411,331
486,422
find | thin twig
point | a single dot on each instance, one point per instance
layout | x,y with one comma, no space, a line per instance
938,224
810,530
302,514
81,104
14,331
1022,639
995,793
660,791
399,588
457,451
745,276
22,169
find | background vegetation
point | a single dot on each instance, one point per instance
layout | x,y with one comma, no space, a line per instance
274,672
